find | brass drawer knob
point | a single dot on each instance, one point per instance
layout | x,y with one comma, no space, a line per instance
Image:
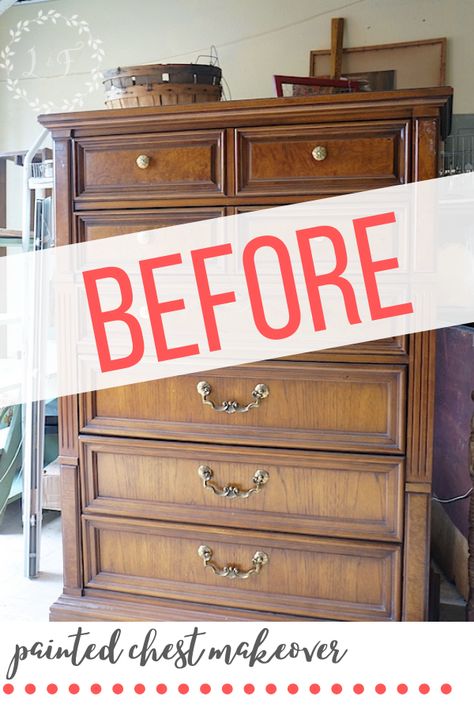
259,480
260,392
143,161
319,153
231,571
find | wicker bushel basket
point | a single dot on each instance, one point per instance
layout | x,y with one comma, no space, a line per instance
161,85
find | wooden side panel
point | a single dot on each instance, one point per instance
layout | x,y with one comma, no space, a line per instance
416,557
71,524
426,148
303,576
421,384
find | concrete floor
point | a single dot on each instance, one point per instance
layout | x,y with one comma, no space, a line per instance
21,598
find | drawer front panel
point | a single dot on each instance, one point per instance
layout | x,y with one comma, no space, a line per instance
303,576
98,224
313,493
179,165
280,160
310,405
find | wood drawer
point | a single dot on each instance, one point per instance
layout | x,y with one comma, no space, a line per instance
183,164
304,576
391,349
335,406
306,492
99,224
279,160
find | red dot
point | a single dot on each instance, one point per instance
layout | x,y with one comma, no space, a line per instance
424,689
358,688
9,689
445,689
205,688
227,689
162,688
249,688
380,688
336,688
139,688
73,689
270,688
183,688
402,688
117,688
30,688
51,688
292,688
96,688
315,688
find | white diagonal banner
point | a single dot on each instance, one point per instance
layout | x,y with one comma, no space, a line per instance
238,289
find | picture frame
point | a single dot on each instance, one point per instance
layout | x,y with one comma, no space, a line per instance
310,86
421,63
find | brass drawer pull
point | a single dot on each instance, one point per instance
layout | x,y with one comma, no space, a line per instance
143,161
319,153
230,571
230,406
260,478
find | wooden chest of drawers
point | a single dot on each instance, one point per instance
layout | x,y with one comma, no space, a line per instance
314,505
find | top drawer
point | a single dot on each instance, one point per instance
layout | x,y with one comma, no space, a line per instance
301,160
120,168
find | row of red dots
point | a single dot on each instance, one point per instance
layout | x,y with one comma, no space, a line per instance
228,689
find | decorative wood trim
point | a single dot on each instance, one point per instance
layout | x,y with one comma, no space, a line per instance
68,426
421,406
119,607
249,112
416,557
425,148
71,516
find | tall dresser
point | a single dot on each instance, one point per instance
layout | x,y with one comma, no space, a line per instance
315,502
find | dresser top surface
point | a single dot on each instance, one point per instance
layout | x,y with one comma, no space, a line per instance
270,110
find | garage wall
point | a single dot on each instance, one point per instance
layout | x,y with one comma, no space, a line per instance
255,39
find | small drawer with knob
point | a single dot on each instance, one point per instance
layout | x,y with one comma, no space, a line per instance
253,570
302,160
142,167
258,488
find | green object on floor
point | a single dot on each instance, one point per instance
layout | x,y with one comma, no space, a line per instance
10,454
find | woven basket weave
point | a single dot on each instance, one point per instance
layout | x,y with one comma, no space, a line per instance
161,85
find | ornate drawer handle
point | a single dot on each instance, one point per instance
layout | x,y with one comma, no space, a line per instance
230,571
143,161
260,392
319,153
260,478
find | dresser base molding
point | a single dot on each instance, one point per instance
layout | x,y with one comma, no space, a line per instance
125,608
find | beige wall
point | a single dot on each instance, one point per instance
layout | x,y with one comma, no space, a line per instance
255,39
